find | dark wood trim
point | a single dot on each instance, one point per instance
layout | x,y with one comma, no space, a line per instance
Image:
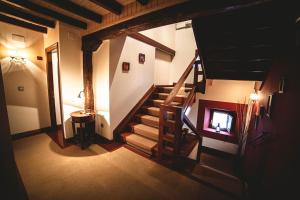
45,11
48,50
237,75
157,45
88,47
22,13
180,12
107,144
143,2
30,133
12,186
180,82
218,153
88,80
132,113
110,5
76,9
23,24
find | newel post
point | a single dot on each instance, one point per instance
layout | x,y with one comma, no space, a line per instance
89,45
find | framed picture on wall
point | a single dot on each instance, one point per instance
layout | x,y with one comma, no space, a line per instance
141,58
125,67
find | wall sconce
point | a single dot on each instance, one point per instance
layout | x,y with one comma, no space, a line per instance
17,57
254,96
80,95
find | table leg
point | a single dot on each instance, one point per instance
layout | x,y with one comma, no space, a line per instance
81,136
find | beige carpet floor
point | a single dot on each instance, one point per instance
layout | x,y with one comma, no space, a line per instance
50,172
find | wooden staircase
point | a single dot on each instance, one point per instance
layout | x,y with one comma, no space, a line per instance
143,132
155,125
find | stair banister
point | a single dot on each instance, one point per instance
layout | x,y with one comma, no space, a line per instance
179,84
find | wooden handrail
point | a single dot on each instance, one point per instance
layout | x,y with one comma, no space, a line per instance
189,100
180,82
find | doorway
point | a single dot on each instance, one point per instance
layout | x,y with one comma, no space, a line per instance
54,94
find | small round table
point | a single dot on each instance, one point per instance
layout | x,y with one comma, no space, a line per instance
86,121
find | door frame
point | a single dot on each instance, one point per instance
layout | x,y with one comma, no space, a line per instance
50,85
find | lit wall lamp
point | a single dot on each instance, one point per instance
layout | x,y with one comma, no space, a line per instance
17,57
254,97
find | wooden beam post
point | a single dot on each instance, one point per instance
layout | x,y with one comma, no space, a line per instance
88,47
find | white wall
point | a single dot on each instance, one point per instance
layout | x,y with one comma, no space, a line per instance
26,109
185,46
163,61
101,89
127,88
70,60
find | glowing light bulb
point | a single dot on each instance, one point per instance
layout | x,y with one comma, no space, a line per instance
254,96
12,53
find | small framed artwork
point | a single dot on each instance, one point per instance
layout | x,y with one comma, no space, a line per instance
270,105
125,67
141,58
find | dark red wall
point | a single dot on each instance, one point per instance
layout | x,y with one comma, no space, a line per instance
204,117
272,168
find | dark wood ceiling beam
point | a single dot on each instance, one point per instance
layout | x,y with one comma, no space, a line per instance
76,9
153,43
237,75
22,13
143,2
37,8
180,12
110,5
10,20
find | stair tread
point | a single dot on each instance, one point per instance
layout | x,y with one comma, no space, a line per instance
148,120
146,131
141,142
161,101
157,109
149,117
167,94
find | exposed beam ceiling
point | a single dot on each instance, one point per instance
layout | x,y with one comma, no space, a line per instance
22,13
110,5
23,24
143,2
180,12
76,9
37,8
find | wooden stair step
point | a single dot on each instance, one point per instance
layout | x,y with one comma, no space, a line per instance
182,90
146,131
158,102
148,120
144,144
178,98
154,111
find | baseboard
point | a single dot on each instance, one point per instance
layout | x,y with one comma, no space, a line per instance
218,153
30,133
